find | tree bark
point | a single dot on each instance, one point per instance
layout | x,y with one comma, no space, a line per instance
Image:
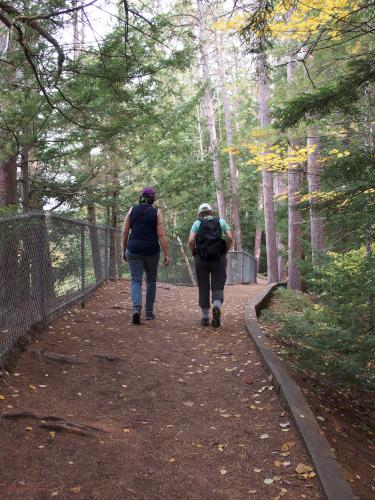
94,240
210,113
8,181
113,242
267,181
294,214
313,180
294,227
258,231
232,159
280,188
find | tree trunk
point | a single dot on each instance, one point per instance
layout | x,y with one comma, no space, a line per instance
232,159
294,214
95,243
200,135
313,180
210,114
294,228
267,181
258,231
281,188
113,242
8,181
187,262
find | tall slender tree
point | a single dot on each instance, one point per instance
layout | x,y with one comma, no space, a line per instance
267,178
210,111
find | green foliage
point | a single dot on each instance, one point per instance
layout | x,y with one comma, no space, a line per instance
333,337
340,95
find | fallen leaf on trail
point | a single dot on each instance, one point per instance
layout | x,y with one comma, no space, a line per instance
172,460
188,403
126,429
54,494
309,475
197,445
257,469
28,428
221,447
76,489
268,480
52,434
303,469
285,447
2,397
286,424
264,436
32,387
252,492
277,463
225,415
223,472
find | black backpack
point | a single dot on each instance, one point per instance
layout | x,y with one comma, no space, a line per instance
209,242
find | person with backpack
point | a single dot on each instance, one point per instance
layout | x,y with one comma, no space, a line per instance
210,239
141,250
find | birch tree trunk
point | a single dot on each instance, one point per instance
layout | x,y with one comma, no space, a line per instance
210,113
313,180
232,159
267,181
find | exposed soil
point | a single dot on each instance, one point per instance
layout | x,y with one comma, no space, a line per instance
346,417
103,409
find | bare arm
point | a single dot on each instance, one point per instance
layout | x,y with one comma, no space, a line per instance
191,241
229,239
125,232
162,238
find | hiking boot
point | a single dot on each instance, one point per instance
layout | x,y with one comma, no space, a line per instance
216,313
149,315
136,318
205,322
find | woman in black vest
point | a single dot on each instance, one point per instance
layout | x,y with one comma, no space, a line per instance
141,250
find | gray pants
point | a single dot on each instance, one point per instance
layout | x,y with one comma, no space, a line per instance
214,273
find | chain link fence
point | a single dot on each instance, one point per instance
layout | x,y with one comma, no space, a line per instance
48,262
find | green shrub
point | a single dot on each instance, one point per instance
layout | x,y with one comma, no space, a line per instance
333,337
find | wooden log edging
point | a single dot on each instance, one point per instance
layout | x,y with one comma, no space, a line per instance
324,460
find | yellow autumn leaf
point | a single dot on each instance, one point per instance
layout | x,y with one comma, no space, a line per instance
2,397
32,387
303,469
76,489
52,434
28,428
126,430
277,463
309,475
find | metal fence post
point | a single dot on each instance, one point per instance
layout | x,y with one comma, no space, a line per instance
83,261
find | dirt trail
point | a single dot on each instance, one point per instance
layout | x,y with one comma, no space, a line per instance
169,410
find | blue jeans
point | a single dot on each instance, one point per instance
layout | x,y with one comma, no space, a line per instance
138,264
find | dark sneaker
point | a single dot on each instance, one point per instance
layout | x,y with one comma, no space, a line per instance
205,322
150,315
216,313
136,318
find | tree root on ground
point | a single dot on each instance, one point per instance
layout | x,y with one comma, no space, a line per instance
54,422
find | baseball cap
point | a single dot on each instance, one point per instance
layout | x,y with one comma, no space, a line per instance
204,207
